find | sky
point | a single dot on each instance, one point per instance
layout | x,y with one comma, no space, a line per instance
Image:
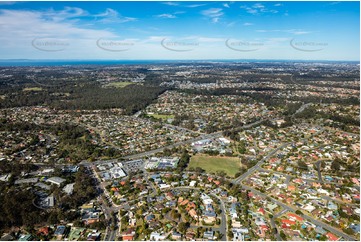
180,30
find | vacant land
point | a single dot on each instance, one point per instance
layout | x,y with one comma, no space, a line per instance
119,84
229,165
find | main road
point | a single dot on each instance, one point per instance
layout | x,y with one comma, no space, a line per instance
111,231
259,164
201,137
152,152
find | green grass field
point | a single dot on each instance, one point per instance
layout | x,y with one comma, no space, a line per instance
160,116
34,89
119,84
230,165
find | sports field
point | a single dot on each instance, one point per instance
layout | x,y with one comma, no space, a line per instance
34,89
230,165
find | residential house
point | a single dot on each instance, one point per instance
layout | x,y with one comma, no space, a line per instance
6,237
157,236
93,236
25,237
56,180
238,234
193,213
60,231
331,237
209,235
128,235
176,235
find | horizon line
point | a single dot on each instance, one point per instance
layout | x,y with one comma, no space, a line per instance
261,59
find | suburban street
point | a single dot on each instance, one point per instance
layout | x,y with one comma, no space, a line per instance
285,206
311,219
111,229
223,226
258,165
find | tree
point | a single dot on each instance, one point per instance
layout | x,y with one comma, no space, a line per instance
182,227
283,235
230,234
335,166
167,152
348,231
242,147
199,170
298,212
175,215
229,223
184,160
301,164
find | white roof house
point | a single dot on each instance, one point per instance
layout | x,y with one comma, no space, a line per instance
56,180
68,189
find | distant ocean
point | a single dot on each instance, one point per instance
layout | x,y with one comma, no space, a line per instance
8,63
76,62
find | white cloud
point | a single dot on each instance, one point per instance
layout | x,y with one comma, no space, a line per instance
171,3
194,38
22,29
19,25
300,32
165,15
252,11
209,39
195,5
257,9
290,31
215,20
277,40
231,23
226,5
258,5
156,38
248,24
278,5
112,16
213,13
66,13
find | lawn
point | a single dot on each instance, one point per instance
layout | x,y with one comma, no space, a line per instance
75,233
34,89
161,116
119,84
230,165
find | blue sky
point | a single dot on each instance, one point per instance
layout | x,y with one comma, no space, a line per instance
180,30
